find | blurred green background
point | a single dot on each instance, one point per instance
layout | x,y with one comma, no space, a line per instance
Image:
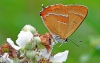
14,14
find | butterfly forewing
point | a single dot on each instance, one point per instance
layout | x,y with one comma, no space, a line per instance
55,9
63,20
54,21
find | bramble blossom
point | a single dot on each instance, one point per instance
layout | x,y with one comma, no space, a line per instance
32,47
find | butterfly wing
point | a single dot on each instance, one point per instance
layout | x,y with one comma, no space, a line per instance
76,15
63,20
55,18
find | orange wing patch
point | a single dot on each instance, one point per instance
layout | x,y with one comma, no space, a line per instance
63,20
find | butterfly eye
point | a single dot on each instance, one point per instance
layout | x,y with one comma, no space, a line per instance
66,39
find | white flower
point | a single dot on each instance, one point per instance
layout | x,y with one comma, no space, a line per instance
26,42
60,57
23,38
5,58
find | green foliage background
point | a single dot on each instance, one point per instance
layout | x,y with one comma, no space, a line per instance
14,14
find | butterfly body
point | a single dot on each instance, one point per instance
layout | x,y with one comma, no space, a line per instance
63,20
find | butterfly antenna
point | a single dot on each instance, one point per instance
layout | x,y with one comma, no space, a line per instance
77,40
74,43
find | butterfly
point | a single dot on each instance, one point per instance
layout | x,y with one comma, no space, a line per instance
63,20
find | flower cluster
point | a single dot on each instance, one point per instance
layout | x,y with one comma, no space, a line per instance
31,47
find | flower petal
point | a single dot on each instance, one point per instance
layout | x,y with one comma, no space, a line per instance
23,38
44,53
12,44
60,57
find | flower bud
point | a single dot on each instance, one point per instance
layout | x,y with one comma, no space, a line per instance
30,54
29,28
37,39
30,45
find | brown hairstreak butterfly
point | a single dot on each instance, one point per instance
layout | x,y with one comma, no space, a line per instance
63,20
